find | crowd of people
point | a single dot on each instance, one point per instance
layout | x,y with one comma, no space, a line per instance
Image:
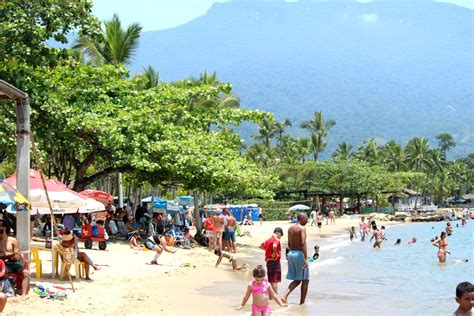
158,233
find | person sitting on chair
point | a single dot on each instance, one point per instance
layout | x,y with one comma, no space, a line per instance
10,254
69,243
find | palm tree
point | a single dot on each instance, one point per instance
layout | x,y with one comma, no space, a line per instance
343,151
114,46
393,156
303,148
266,131
369,152
151,78
318,128
418,157
459,174
417,154
260,153
280,128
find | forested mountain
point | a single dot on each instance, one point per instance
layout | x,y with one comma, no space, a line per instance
389,70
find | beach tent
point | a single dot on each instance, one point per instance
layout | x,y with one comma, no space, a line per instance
169,207
63,199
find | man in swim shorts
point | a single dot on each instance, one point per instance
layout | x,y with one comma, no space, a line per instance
297,258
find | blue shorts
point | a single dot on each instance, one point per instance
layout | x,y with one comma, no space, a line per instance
296,269
229,234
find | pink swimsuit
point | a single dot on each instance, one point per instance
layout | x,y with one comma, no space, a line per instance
263,288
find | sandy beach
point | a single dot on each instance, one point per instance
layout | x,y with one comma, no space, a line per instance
183,283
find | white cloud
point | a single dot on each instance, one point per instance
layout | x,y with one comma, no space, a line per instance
369,18
365,1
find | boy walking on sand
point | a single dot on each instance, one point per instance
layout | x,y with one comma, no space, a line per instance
272,249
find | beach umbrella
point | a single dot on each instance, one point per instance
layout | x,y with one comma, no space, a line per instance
92,206
63,199
148,199
13,199
299,207
186,200
101,196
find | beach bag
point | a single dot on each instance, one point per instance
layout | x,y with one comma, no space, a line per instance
95,231
7,287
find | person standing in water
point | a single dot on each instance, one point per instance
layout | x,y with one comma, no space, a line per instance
297,257
352,233
363,228
442,245
379,237
449,229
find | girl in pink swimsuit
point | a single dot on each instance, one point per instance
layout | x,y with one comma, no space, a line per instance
261,290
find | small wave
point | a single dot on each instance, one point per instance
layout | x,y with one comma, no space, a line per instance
335,246
326,262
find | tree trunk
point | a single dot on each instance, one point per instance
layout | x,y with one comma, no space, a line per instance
197,218
340,205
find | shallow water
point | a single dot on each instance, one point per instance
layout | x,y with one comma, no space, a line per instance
352,278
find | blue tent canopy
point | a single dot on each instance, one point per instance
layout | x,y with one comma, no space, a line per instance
155,199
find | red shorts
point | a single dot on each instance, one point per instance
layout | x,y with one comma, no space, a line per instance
274,271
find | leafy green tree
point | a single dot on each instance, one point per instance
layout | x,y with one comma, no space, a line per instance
445,142
114,46
25,26
318,128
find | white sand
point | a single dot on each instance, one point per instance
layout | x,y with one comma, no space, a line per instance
130,286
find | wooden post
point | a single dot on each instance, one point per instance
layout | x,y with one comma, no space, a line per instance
119,190
23,170
197,218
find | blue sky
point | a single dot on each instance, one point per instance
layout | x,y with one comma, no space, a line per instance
162,14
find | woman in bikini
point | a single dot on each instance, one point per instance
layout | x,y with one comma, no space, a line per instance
261,290
442,244
379,236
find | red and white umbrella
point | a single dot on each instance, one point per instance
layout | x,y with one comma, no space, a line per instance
63,200
101,196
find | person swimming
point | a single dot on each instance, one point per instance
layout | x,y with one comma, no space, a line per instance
412,241
398,242
315,255
460,260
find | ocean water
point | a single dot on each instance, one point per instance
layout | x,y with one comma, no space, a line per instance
352,278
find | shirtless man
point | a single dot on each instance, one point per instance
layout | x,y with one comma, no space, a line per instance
297,259
10,253
363,228
230,233
319,221
232,258
260,215
218,222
